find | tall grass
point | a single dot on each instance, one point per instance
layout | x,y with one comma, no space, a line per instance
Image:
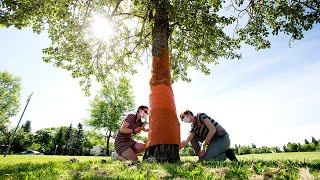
287,166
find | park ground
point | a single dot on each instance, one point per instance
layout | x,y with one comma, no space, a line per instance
254,166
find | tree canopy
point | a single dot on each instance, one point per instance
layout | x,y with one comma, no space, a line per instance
110,104
10,88
200,32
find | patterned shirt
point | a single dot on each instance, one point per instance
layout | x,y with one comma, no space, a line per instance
125,141
202,130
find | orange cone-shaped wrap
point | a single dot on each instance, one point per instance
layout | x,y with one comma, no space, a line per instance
164,127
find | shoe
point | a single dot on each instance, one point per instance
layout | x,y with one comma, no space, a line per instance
230,155
113,156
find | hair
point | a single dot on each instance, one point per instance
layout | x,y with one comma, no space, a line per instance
142,107
185,113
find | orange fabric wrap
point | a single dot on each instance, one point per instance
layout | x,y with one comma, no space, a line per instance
164,127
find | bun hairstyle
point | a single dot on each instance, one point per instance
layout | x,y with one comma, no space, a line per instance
142,107
182,115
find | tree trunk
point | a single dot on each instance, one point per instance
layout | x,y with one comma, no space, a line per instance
164,129
108,140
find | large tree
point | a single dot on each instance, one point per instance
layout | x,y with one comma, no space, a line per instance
192,32
10,88
108,107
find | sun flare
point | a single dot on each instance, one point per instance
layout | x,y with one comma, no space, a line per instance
101,27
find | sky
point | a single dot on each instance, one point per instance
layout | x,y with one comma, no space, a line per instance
269,98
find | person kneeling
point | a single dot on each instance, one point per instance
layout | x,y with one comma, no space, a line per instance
214,139
125,147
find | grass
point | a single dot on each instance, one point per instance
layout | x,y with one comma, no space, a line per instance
259,166
300,156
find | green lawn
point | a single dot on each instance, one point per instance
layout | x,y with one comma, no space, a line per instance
274,166
300,156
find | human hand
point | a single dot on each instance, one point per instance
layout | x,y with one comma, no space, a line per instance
202,150
137,129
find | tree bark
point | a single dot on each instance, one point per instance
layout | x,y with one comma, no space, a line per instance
164,129
108,140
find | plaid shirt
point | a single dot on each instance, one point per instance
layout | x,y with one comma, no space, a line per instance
202,130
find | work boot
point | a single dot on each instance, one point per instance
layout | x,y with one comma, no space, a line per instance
230,155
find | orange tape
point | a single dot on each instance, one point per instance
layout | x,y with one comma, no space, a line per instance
164,127
160,71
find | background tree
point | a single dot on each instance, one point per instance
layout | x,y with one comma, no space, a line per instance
10,88
109,106
79,141
68,146
21,141
193,31
244,150
59,140
314,141
43,137
306,141
292,147
26,126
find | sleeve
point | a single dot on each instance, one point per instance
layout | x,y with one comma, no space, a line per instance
130,118
202,116
192,129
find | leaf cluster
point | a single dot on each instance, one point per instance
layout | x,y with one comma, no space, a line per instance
198,31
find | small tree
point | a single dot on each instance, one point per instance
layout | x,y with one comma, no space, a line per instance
109,105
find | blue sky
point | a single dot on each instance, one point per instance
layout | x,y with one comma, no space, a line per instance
269,97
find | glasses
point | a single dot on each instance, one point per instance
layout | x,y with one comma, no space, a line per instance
145,111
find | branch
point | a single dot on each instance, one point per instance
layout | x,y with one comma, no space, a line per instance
115,9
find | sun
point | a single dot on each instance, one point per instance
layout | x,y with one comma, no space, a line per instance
101,27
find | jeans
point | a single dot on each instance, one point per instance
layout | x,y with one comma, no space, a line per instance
216,148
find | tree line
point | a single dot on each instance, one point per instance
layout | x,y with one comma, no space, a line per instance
62,140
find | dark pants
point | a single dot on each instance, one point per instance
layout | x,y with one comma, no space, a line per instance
216,148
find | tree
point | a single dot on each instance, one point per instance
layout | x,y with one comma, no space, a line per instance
68,147
59,140
43,137
193,31
244,150
314,141
26,126
22,140
10,88
306,141
292,147
79,141
109,105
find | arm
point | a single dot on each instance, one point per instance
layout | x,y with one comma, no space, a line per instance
125,128
189,138
212,131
